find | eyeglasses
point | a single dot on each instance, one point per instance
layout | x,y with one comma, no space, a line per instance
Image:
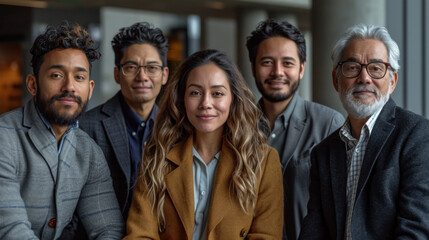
376,70
131,70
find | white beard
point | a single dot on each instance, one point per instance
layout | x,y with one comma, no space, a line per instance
358,109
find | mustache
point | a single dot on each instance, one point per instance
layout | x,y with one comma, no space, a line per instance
364,88
67,95
283,80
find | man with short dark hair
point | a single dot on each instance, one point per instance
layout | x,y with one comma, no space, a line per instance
277,52
49,168
369,178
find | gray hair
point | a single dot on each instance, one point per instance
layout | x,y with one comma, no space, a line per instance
364,32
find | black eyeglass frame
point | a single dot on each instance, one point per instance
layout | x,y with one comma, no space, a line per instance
340,64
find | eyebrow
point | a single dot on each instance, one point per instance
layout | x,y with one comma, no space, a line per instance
199,86
148,63
59,66
283,58
370,60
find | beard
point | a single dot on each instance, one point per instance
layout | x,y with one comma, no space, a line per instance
279,97
53,116
358,109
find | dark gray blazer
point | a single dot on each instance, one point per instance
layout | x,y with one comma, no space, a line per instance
392,199
106,125
40,191
309,124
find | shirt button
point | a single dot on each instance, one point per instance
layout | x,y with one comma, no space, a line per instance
52,223
143,124
203,192
133,133
273,135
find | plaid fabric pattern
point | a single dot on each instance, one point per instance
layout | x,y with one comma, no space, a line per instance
355,149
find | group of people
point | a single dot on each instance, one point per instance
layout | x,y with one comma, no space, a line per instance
211,162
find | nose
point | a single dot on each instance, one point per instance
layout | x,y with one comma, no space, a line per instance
206,102
141,75
277,70
364,77
68,85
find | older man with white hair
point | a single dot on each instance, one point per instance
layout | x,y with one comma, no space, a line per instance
369,178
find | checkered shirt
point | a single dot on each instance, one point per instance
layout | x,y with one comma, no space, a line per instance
355,149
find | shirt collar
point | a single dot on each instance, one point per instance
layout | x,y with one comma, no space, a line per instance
287,113
132,119
345,131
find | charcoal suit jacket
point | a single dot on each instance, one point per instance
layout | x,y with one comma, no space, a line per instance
392,198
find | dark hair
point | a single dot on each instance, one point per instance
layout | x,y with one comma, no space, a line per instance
63,36
275,28
139,33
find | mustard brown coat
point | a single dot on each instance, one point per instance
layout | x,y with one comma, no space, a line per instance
226,218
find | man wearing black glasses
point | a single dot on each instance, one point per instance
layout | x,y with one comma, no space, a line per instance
369,179
122,125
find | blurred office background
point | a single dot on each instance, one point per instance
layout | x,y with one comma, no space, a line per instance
191,25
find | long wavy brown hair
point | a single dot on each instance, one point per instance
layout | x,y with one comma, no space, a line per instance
172,126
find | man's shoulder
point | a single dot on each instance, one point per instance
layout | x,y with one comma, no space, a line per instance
12,120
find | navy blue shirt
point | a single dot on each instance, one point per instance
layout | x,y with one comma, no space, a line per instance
137,132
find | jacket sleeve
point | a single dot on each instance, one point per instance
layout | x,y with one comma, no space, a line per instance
313,225
142,222
412,221
268,217
14,223
98,207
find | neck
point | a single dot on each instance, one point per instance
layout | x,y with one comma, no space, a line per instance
356,126
273,109
143,110
59,131
207,145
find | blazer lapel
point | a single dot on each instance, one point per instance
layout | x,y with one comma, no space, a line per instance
117,134
337,162
378,138
294,131
221,195
43,140
180,186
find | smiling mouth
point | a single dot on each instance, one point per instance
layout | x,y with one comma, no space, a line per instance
206,117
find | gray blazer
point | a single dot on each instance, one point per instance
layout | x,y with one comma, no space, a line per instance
309,124
39,190
392,198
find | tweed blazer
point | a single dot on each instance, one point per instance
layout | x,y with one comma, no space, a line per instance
226,219
309,124
392,198
40,190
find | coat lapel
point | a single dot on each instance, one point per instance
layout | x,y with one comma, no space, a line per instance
117,134
378,138
43,140
221,195
180,186
337,162
294,131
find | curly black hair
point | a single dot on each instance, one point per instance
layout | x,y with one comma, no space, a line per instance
275,28
64,36
139,33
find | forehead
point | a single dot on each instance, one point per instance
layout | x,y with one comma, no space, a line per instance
141,52
277,46
208,75
365,49
68,58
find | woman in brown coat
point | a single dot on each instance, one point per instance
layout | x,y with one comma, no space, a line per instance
207,173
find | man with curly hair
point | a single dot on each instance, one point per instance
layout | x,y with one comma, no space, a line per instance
49,168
